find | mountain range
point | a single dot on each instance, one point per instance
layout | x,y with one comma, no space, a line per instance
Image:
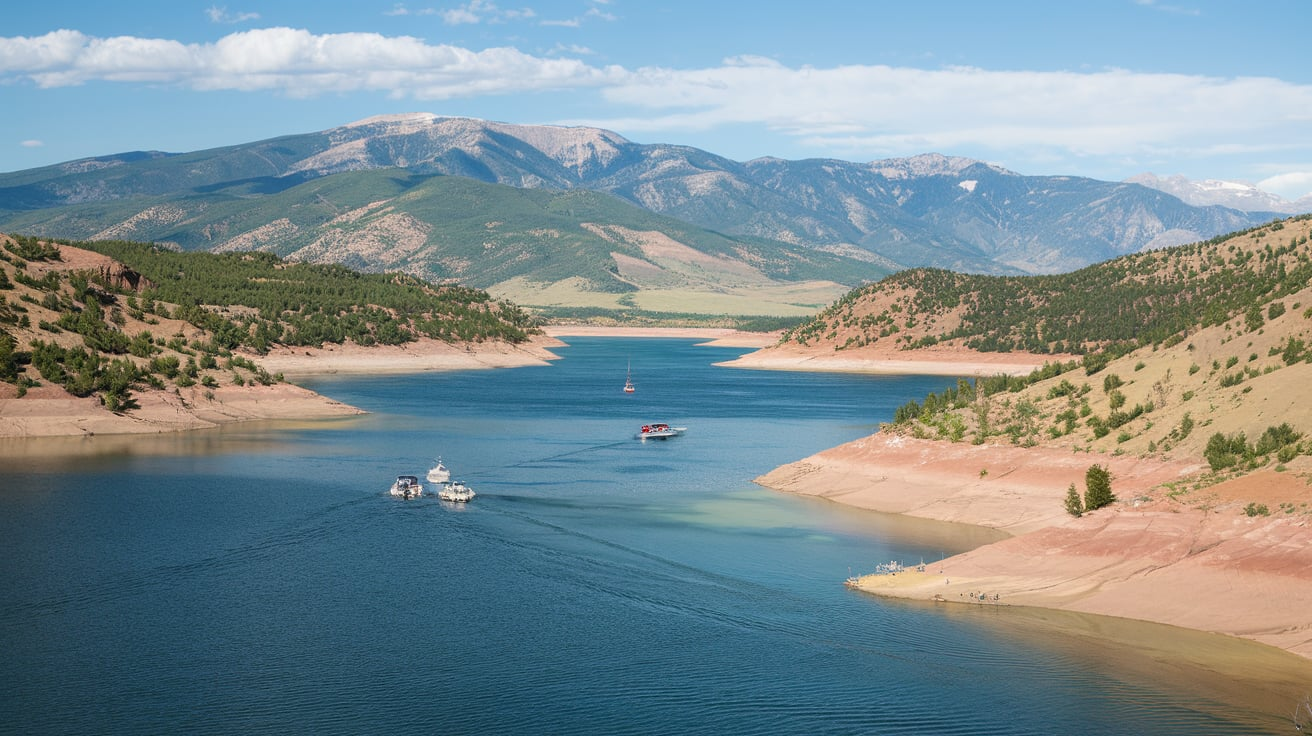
577,216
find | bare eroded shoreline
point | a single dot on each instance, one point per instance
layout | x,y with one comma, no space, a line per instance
1149,557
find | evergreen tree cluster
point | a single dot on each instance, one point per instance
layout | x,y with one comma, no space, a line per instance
1097,492
306,304
1227,451
966,391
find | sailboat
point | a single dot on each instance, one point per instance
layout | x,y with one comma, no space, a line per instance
628,380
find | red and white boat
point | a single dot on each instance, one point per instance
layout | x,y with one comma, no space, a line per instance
660,430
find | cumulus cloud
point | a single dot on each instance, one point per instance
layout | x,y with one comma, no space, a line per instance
856,110
292,61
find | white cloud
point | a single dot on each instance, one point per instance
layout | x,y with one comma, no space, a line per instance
1291,185
887,110
32,143
859,111
459,16
219,14
483,11
400,9
593,13
572,49
294,62
1176,9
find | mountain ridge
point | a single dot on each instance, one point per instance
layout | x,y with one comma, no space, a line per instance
927,210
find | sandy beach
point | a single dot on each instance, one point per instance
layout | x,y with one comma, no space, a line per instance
1191,561
50,411
721,337
940,361
424,354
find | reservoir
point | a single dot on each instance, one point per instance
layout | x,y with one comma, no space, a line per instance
259,579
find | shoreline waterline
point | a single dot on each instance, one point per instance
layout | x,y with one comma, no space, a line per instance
1250,579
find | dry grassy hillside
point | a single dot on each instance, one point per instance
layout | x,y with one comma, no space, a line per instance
1234,397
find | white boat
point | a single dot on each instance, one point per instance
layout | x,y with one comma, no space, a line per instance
660,430
455,491
407,486
628,380
438,473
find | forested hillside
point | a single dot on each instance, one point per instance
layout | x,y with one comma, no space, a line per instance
1111,307
110,318
310,304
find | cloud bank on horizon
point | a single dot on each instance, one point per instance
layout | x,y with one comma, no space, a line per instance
1106,122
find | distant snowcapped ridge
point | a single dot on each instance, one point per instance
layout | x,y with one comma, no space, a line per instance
928,164
1238,195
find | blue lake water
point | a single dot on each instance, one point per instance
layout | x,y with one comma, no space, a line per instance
259,579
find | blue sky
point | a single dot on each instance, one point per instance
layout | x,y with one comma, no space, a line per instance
1106,88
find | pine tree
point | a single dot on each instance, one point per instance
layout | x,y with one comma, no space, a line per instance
1074,506
1097,488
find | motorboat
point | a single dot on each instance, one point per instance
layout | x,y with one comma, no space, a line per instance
660,430
455,491
407,486
439,473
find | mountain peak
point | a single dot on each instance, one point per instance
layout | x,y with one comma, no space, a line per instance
574,148
927,164
405,119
